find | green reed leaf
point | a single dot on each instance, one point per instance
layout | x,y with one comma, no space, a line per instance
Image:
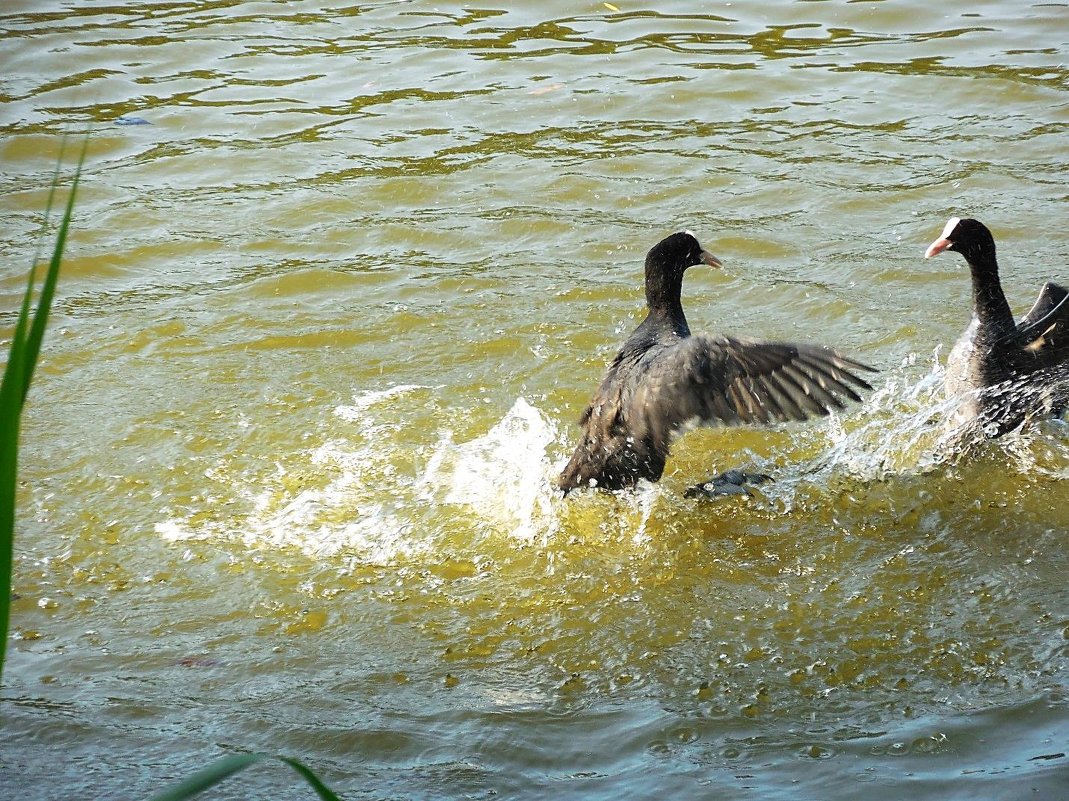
22,359
321,789
226,767
48,288
209,776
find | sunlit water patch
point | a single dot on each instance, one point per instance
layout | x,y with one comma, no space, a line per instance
343,495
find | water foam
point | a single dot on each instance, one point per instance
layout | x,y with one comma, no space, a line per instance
323,500
912,427
366,495
504,475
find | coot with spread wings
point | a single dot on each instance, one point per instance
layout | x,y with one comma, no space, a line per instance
665,378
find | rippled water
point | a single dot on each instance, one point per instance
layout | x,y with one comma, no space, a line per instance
342,281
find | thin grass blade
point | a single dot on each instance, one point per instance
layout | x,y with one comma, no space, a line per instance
51,198
11,386
10,406
321,789
227,766
48,288
25,347
209,776
14,372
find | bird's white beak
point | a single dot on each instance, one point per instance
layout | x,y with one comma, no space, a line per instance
943,242
937,247
710,259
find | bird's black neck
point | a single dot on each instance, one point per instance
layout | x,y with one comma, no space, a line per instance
663,291
989,301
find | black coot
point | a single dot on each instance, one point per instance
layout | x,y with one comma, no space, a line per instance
664,378
1008,370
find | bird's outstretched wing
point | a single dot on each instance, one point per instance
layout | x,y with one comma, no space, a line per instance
712,380
1050,296
1044,331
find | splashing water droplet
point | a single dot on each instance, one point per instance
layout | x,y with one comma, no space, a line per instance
504,475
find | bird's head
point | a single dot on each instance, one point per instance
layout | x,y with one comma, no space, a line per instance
968,237
678,252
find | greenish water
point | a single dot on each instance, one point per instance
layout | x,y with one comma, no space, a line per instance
329,317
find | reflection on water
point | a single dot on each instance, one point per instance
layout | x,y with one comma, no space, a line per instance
343,279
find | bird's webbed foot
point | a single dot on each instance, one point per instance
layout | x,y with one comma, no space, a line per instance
731,482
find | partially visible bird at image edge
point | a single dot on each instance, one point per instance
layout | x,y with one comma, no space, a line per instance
1007,371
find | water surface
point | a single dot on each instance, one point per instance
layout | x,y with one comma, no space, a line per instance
343,278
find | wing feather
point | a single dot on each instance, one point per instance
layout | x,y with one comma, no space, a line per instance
768,403
801,393
787,401
1044,331
729,381
1050,296
829,378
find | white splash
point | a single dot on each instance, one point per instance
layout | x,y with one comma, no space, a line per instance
356,494
357,412
913,428
322,501
504,475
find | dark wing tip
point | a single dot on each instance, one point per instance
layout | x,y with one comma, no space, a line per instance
799,380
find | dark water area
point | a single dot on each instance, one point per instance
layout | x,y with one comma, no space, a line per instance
341,281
